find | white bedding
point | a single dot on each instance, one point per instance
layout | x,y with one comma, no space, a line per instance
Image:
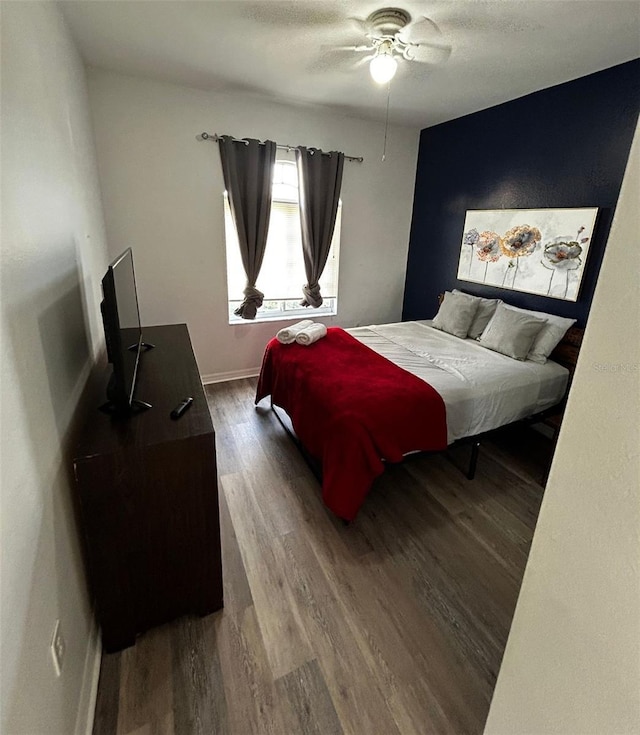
481,389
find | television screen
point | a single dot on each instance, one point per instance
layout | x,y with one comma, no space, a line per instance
128,317
123,333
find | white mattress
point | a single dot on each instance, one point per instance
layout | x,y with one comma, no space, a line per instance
481,389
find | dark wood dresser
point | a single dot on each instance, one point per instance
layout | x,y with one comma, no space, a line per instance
147,493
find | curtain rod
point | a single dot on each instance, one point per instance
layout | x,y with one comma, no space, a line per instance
215,137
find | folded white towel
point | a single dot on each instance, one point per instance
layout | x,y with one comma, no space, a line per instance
287,335
309,335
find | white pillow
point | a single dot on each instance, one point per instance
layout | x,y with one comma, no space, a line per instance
549,337
486,309
510,332
455,315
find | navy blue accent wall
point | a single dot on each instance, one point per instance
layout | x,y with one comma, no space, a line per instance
566,146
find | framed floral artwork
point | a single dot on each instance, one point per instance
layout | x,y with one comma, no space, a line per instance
540,251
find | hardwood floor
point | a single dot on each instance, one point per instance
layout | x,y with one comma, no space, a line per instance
395,624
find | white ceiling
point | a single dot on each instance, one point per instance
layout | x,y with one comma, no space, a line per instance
499,50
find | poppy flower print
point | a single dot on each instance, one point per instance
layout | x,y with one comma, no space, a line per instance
521,240
527,249
489,247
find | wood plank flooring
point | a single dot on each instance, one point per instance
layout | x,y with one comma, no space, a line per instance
393,625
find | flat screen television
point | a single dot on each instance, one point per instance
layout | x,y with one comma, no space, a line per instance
123,334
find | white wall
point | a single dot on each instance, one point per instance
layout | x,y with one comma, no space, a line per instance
572,662
163,197
53,254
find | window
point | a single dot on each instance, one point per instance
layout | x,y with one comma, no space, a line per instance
282,274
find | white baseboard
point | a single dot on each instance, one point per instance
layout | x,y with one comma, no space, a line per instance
89,693
231,375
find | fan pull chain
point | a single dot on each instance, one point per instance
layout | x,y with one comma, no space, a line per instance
386,123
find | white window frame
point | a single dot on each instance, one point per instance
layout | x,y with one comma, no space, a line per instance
283,309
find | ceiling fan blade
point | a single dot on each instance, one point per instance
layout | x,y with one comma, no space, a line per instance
364,60
422,28
335,59
427,52
426,41
356,49
360,24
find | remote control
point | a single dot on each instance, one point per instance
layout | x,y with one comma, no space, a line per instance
179,410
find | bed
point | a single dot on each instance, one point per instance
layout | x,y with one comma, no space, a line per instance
476,391
482,390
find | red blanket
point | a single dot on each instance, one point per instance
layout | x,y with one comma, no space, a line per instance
351,408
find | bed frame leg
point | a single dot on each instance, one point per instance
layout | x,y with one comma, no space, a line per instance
475,448
313,466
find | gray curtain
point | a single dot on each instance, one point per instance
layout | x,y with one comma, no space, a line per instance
247,166
319,182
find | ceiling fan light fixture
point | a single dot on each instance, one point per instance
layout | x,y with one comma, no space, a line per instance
383,66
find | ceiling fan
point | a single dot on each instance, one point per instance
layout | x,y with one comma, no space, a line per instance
392,35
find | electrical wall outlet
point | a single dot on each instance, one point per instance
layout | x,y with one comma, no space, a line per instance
58,648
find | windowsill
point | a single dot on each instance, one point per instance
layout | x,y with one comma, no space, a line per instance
282,318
